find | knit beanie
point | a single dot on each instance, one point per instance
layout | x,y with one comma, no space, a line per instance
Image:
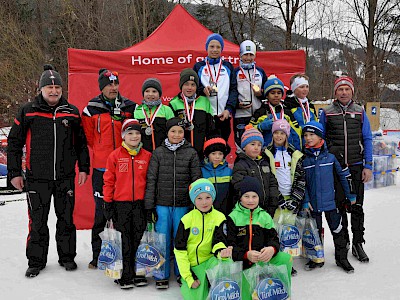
273,83
247,46
250,184
175,121
251,134
107,77
314,127
201,185
282,125
216,143
130,124
49,77
344,80
188,75
217,37
152,82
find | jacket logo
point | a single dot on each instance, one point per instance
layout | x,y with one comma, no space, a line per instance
265,169
195,231
70,193
242,231
123,167
65,122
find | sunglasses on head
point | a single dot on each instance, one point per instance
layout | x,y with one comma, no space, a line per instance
110,73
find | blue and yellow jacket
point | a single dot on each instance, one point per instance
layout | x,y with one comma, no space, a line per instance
221,177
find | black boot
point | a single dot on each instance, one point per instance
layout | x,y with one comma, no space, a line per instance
33,271
344,264
358,251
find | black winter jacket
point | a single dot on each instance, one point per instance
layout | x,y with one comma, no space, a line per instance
260,169
54,140
169,175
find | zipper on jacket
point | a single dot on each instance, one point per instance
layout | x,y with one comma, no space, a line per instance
174,175
215,73
215,182
251,93
112,128
55,141
345,137
133,177
251,230
202,237
262,183
98,128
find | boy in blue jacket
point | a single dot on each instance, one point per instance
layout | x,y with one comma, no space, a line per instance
320,167
217,171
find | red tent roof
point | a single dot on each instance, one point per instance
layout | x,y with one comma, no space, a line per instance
180,29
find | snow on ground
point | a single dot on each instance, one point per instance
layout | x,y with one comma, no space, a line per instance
378,279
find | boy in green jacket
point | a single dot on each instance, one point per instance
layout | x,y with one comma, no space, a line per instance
198,240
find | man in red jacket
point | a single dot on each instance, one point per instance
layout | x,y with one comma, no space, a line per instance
102,120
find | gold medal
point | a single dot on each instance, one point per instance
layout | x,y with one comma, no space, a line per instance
256,88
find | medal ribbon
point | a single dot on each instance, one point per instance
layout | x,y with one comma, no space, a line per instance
149,120
306,111
189,114
211,73
253,76
272,109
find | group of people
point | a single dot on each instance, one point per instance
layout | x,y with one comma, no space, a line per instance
165,164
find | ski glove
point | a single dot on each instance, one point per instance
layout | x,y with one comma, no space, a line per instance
352,199
108,210
152,216
265,125
282,203
291,205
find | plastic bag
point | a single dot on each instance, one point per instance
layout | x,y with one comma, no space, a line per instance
226,280
312,247
150,253
268,281
110,258
287,227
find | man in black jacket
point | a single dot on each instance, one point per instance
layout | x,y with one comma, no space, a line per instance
51,130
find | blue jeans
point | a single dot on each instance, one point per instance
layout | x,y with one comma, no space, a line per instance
168,221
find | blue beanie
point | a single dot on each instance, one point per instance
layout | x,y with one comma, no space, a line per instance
273,83
314,127
201,185
251,134
251,184
217,37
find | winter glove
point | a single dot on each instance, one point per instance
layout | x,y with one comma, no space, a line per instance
281,203
108,210
265,125
152,216
291,205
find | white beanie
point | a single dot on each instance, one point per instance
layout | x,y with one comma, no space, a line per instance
247,46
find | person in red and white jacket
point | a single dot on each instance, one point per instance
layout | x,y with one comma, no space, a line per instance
124,189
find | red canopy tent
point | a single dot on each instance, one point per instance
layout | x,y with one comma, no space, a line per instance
176,44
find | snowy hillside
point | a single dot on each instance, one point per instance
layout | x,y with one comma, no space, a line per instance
377,280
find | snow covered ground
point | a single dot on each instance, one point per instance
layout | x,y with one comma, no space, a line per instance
378,279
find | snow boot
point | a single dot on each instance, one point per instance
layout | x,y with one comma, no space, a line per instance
140,281
311,265
294,272
162,284
68,265
33,271
358,251
179,280
125,285
345,265
93,264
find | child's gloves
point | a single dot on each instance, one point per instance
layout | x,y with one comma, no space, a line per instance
152,216
108,210
282,203
265,125
291,205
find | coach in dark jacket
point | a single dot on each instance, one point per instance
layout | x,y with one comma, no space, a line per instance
51,129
